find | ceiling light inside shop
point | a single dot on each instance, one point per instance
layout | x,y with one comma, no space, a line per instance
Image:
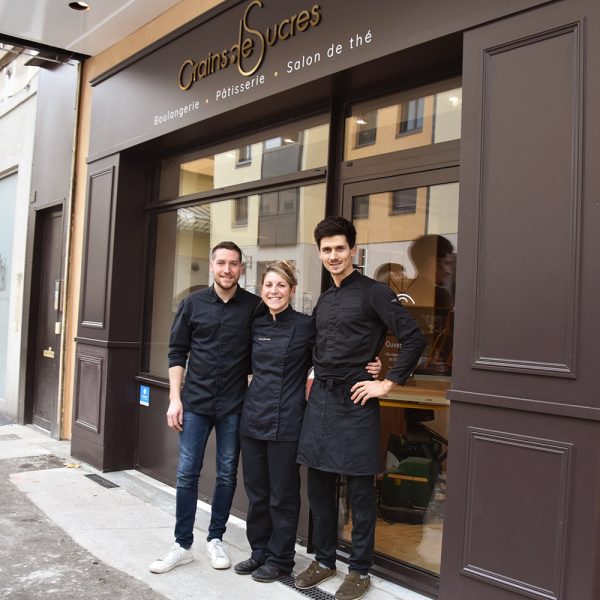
289,140
79,5
454,100
360,121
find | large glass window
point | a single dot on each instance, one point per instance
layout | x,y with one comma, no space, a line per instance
411,119
294,149
279,225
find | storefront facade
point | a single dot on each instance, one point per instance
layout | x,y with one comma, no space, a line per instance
456,136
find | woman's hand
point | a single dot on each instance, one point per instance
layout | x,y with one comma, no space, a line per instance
374,367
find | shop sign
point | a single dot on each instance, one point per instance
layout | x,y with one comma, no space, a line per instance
248,52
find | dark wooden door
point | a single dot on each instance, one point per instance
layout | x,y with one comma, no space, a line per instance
47,338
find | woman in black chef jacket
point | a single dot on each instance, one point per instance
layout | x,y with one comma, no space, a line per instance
282,343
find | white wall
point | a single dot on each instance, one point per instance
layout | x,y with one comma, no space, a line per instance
18,103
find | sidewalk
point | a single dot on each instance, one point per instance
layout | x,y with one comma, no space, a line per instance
66,535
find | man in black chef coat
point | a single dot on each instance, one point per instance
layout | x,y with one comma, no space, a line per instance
340,432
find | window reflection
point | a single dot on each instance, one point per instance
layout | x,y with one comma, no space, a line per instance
267,227
296,149
403,121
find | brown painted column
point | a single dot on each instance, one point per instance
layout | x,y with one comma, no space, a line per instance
110,316
523,496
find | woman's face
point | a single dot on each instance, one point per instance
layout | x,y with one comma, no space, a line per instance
276,293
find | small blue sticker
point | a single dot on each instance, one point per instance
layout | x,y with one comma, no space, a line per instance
144,395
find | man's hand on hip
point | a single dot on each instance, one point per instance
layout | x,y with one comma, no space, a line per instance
364,390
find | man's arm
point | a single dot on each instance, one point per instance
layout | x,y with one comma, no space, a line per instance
175,412
398,320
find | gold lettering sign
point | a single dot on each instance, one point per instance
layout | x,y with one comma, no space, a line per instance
249,51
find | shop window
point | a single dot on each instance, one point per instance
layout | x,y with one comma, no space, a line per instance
411,116
360,207
291,150
240,212
366,129
279,226
413,119
403,202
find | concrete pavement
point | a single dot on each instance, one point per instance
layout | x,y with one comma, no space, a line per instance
63,534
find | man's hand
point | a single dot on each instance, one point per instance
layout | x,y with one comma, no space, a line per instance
374,367
175,414
364,390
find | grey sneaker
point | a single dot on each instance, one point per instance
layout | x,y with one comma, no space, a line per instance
313,576
217,552
354,587
175,556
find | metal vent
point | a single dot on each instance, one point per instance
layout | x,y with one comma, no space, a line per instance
315,593
8,437
101,481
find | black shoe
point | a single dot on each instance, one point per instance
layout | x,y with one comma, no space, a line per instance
247,566
268,573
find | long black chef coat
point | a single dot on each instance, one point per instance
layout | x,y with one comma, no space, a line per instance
337,435
281,356
212,338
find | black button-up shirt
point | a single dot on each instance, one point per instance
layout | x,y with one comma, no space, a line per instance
281,356
212,338
352,321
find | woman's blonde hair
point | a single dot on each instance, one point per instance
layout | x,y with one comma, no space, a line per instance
284,269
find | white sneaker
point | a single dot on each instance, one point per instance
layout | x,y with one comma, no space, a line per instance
219,559
173,558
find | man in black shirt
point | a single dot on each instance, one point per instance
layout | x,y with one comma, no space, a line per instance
340,431
211,337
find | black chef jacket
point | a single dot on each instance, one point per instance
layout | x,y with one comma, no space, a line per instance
213,338
337,435
281,356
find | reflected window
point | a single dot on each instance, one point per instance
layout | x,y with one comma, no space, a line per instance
360,207
366,128
244,155
240,212
411,116
404,201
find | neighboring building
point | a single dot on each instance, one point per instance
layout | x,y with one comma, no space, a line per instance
18,104
461,138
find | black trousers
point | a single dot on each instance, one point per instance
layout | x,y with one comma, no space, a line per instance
272,482
322,498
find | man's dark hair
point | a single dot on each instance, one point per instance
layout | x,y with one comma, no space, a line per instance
227,246
331,226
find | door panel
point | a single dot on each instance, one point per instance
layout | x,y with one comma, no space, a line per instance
523,470
47,346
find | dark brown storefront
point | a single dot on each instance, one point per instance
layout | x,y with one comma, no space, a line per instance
500,98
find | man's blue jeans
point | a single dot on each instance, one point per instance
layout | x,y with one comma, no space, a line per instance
192,444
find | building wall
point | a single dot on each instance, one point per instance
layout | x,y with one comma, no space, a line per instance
177,16
18,103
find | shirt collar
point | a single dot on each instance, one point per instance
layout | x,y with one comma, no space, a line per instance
284,315
216,298
350,278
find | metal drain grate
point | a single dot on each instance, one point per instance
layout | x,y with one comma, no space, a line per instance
8,437
314,593
101,481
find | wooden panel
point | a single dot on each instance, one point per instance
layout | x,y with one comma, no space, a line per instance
97,249
527,481
527,285
88,386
